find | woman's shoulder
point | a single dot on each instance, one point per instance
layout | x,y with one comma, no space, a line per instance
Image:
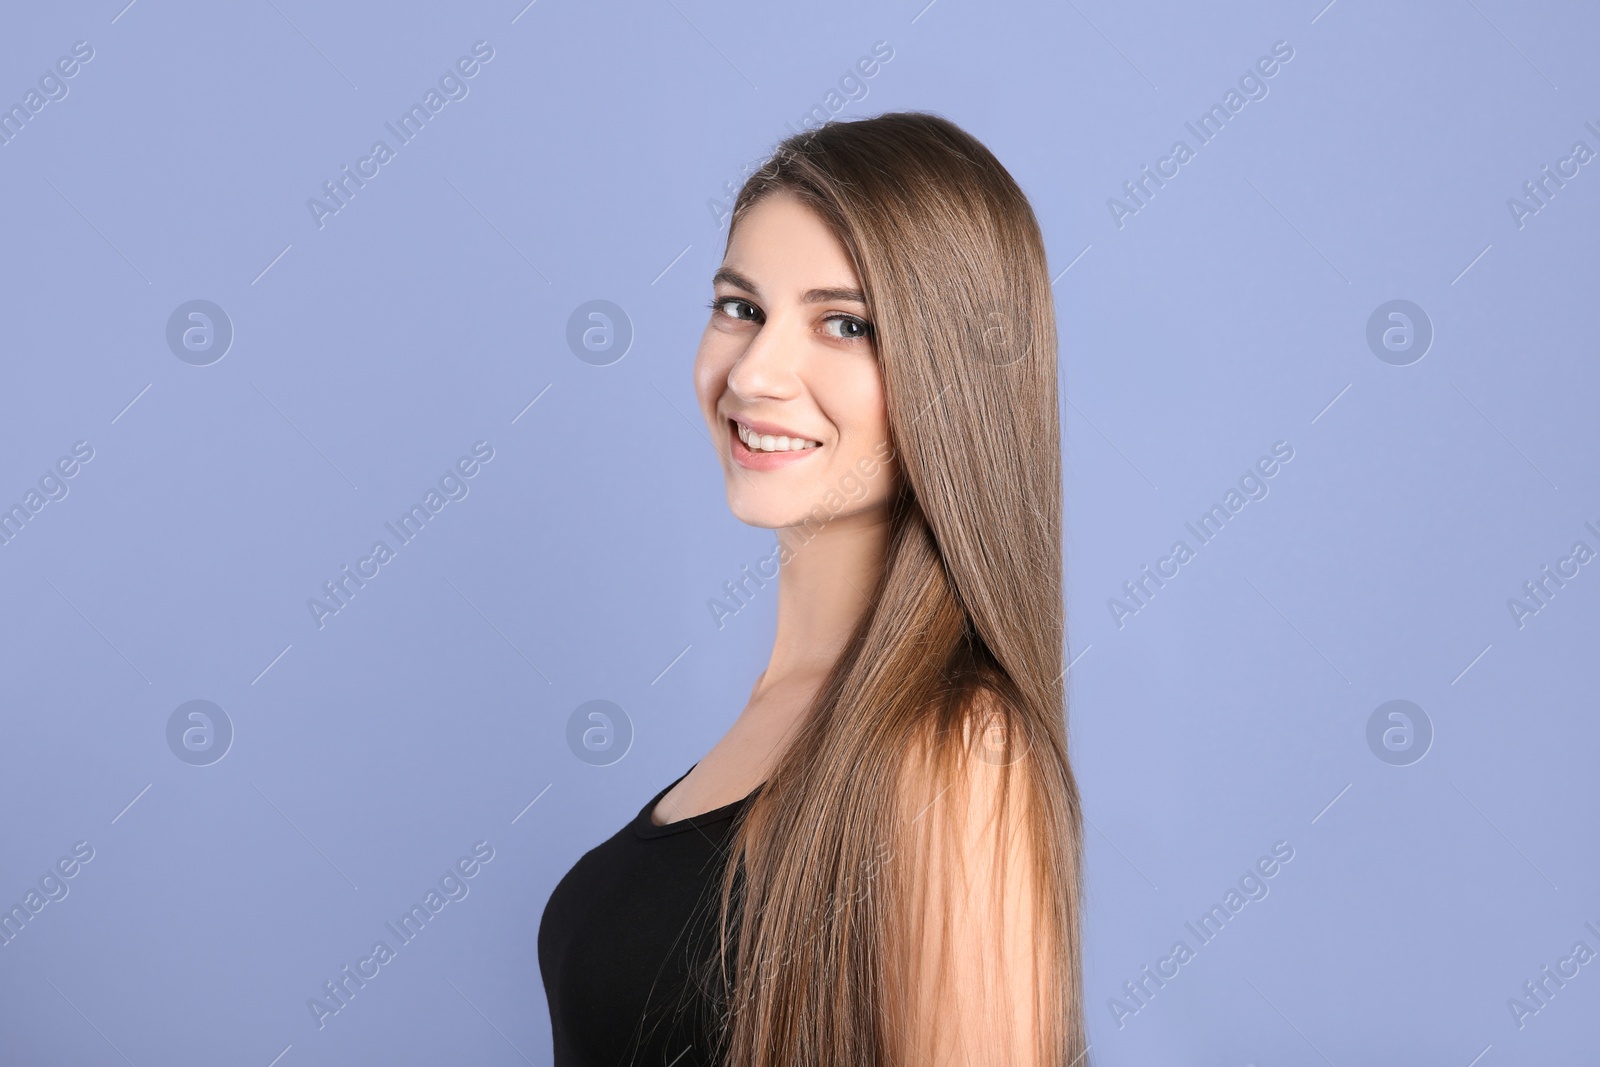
970,761
982,719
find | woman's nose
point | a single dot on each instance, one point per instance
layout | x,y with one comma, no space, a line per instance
768,366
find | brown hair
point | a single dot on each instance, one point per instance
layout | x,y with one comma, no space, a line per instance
959,658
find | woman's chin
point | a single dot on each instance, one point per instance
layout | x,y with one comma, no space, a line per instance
767,514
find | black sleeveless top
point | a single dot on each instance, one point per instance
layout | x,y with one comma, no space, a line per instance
622,936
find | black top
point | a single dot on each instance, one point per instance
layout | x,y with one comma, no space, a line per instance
620,934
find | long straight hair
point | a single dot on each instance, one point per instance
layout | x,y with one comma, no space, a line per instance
817,903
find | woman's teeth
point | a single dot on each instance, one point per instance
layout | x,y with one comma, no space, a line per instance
765,442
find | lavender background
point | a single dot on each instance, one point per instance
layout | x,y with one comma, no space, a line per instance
591,158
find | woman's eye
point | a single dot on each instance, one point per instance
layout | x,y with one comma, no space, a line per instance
722,305
852,328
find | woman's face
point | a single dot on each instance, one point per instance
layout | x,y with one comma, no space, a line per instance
789,353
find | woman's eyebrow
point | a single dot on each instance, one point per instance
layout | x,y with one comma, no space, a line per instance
810,296
828,296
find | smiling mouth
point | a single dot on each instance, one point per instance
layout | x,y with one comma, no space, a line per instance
767,443
748,449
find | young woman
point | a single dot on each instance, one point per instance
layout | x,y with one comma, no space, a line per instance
879,862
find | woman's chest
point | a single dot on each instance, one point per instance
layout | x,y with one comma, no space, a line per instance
626,944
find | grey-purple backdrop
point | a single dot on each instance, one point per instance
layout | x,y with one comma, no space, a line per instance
1341,345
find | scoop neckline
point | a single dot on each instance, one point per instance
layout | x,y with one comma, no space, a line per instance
645,827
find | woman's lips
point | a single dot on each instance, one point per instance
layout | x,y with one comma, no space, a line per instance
762,461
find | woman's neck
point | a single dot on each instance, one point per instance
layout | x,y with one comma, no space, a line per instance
823,590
